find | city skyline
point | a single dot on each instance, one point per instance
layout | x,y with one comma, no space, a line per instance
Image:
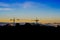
45,10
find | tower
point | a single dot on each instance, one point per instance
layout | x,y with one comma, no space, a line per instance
36,20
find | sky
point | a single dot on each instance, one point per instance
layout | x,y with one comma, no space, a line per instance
30,9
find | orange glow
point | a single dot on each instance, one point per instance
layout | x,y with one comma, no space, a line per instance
30,20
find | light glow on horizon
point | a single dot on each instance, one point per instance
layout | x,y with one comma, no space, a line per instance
46,10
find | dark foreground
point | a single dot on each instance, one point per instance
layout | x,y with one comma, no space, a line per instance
29,28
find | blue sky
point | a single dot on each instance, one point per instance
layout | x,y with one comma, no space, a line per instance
30,8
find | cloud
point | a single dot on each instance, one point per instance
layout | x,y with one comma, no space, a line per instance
28,4
31,5
4,4
6,9
22,5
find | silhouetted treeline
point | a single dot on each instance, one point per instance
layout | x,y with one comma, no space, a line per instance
29,28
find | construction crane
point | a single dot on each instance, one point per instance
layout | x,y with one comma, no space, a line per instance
14,20
36,20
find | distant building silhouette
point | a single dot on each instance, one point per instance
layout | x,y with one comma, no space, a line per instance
28,24
7,25
17,24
